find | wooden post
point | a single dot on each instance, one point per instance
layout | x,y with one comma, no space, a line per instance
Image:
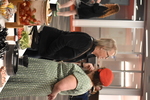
13,25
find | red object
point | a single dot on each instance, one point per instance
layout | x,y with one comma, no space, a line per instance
26,14
20,32
106,76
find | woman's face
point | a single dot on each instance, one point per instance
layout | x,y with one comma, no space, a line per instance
101,53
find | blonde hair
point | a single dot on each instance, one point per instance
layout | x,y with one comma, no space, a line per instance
107,43
112,9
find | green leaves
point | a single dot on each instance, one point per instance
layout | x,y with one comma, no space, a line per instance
24,42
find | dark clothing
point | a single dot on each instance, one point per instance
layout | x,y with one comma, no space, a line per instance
58,45
80,97
85,1
86,11
63,45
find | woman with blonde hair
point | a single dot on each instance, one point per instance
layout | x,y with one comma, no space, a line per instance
112,9
85,10
59,45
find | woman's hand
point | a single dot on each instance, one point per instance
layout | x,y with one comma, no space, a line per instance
92,1
98,1
52,96
88,66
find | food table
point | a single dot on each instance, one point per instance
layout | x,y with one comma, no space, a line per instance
12,39
9,60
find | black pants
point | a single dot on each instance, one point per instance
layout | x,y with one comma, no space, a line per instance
53,7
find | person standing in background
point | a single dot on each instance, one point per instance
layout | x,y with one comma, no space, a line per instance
85,10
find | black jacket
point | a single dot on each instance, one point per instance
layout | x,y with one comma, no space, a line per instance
86,11
63,45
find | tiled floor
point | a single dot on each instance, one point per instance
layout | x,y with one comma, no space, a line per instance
61,22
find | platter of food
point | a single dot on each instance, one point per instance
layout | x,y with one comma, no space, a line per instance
33,13
24,38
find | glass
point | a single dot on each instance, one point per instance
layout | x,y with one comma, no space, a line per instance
128,39
129,62
139,32
122,36
127,70
126,80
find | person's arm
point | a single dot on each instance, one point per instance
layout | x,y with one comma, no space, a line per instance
93,1
86,66
98,1
68,83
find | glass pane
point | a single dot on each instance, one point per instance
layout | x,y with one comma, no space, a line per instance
117,82
126,80
119,97
122,36
128,39
138,39
126,68
132,80
129,62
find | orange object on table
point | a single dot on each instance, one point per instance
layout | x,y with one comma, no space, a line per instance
33,13
27,14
